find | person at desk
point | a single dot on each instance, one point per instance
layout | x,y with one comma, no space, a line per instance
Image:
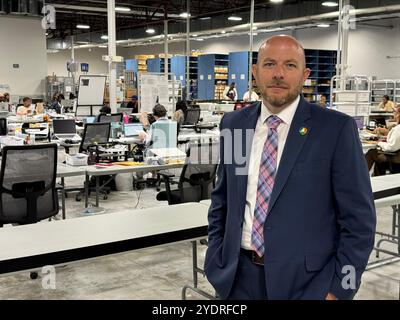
386,105
377,157
56,103
159,114
179,114
25,109
254,96
5,97
133,104
105,110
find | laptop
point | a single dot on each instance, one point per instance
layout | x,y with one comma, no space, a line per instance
89,119
132,129
64,129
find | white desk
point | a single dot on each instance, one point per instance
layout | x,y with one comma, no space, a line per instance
194,136
64,170
63,241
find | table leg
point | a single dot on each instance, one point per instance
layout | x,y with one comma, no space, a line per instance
97,190
87,191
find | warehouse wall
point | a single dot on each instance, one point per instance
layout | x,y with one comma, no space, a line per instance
23,42
57,62
368,49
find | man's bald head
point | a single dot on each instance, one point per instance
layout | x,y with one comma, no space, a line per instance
283,40
280,71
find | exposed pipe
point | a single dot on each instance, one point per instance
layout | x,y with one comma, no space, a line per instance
112,52
251,49
262,25
188,50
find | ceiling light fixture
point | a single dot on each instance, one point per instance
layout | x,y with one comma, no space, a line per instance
184,15
205,18
323,25
104,37
223,31
330,4
234,18
150,31
122,9
276,1
82,26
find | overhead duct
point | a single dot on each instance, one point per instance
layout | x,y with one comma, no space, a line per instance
21,7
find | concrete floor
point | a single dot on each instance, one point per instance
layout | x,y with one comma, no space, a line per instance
156,273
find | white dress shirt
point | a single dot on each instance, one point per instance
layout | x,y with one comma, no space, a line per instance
392,143
260,135
254,96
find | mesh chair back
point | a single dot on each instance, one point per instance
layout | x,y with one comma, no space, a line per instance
192,116
24,170
108,118
198,174
94,134
163,134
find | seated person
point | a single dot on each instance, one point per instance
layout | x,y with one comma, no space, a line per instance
134,104
392,144
386,105
26,108
160,114
56,103
179,114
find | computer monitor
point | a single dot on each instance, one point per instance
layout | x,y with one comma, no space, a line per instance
359,121
192,116
64,126
89,120
132,129
108,118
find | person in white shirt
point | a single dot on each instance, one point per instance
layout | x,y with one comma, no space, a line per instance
254,96
377,156
230,93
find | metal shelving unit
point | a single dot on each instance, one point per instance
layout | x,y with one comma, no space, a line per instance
379,88
351,95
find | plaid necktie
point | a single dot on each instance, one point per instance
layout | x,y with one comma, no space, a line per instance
265,184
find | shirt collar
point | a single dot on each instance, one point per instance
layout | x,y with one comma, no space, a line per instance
286,115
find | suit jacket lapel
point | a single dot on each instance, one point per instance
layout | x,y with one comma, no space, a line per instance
248,123
294,144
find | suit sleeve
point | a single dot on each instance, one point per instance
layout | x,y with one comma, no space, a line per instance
218,208
355,212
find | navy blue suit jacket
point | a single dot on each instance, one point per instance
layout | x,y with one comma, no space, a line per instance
321,214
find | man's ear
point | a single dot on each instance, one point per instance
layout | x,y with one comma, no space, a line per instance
307,72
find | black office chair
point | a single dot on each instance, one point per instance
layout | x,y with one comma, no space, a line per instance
3,127
108,118
197,178
192,116
28,190
94,134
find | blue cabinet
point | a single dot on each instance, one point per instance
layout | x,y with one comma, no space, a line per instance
212,76
322,64
157,65
131,65
178,67
239,71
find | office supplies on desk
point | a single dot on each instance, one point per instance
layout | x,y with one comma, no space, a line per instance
78,159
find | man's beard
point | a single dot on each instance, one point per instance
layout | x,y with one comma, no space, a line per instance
279,102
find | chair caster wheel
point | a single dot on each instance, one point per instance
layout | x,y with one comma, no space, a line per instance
33,275
158,189
77,198
105,197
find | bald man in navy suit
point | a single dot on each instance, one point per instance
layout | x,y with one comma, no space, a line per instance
292,214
